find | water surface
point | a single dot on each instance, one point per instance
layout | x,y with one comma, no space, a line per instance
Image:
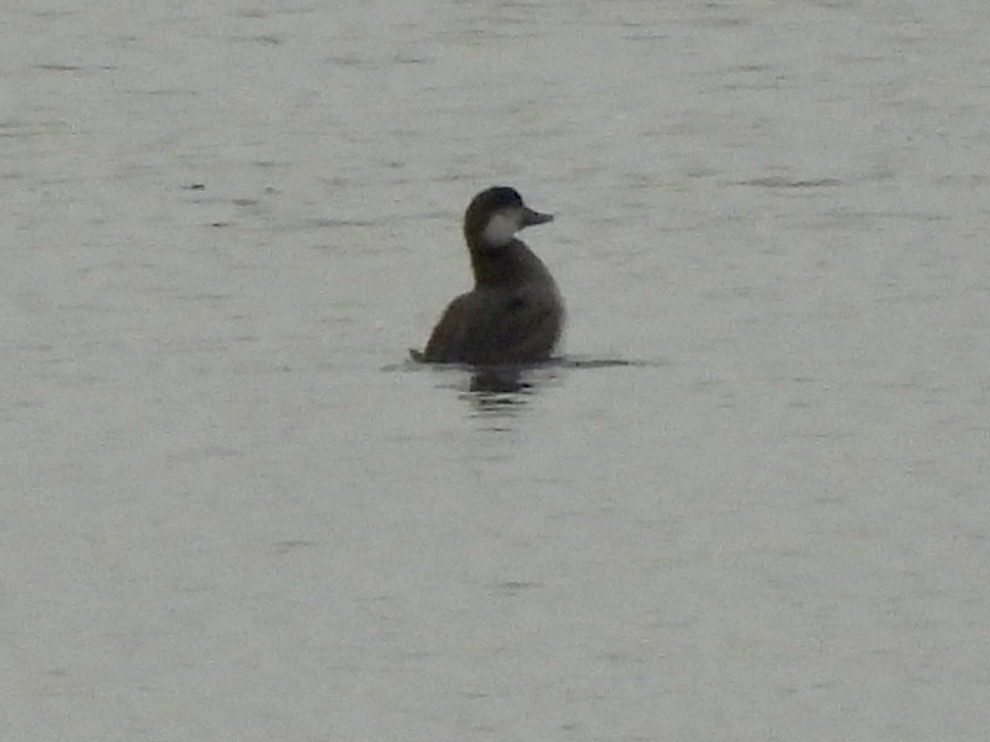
230,509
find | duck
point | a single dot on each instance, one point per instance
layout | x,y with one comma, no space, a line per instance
515,313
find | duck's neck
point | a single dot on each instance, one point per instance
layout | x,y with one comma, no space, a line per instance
497,266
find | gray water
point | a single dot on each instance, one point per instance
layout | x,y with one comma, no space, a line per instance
231,510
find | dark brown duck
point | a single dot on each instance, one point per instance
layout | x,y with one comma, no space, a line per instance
514,314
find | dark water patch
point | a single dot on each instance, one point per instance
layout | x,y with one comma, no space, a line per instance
721,22
355,61
779,182
168,92
411,59
844,59
283,547
338,223
264,39
255,13
646,36
271,164
702,172
53,14
58,67
55,67
970,180
500,381
588,363
514,587
870,216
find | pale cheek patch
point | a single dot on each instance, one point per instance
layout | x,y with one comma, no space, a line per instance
501,228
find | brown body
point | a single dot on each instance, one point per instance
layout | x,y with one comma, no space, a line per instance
515,313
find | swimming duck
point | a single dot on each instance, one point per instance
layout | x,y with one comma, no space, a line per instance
515,313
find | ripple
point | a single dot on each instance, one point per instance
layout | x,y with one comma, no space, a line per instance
779,182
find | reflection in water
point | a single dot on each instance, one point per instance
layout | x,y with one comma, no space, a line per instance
499,393
494,407
498,380
503,391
